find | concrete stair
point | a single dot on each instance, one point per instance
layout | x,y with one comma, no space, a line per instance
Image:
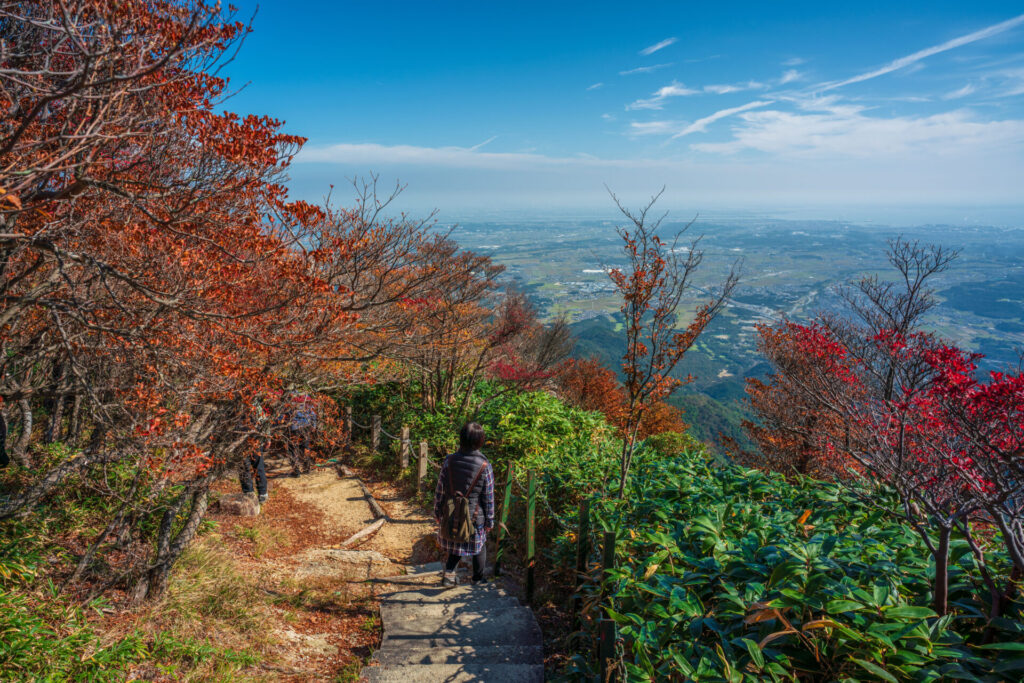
467,633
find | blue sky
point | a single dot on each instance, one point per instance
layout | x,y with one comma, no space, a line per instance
536,106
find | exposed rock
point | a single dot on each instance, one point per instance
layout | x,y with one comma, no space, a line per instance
314,645
342,564
240,504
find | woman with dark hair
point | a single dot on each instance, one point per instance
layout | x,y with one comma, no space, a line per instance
466,474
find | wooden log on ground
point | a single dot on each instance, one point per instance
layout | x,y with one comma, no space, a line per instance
378,511
364,533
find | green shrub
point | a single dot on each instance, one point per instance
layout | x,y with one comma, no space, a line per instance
727,574
669,444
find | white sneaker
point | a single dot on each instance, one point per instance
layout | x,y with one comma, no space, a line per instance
449,579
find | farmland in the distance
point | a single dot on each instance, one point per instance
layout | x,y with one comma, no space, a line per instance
791,268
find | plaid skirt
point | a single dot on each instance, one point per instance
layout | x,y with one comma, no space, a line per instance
464,549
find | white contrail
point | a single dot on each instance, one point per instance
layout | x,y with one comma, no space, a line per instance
929,51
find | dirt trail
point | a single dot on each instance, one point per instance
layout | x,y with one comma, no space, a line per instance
326,612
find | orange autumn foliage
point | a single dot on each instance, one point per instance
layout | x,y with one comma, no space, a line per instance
588,384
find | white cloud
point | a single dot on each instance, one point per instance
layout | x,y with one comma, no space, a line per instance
911,59
595,86
847,131
655,127
961,92
608,117
651,49
372,154
722,89
1012,81
700,125
738,87
644,69
657,100
789,76
484,143
794,61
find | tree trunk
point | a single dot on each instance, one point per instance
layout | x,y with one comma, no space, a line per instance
20,452
941,586
154,581
5,460
75,422
53,430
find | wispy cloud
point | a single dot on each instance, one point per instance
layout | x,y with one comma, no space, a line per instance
654,127
608,117
595,86
848,131
726,89
485,142
961,92
657,100
789,76
721,89
697,60
644,69
700,125
911,59
651,49
372,154
794,61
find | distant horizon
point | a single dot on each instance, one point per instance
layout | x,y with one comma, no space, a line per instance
536,106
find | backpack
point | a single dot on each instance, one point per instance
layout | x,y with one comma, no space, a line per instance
456,516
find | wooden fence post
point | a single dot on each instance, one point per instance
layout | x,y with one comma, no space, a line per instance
421,471
606,627
582,554
531,518
405,448
499,550
348,425
375,434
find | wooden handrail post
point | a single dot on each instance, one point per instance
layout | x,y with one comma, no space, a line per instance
421,470
499,550
405,449
582,554
531,518
348,425
375,434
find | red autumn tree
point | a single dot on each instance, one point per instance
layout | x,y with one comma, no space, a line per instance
948,445
652,288
791,422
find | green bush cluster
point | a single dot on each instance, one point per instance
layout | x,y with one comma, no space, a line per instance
729,574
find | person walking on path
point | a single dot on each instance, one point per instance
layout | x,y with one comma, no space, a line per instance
466,482
253,465
301,424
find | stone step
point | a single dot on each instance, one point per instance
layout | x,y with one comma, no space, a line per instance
465,654
512,626
449,673
426,594
398,618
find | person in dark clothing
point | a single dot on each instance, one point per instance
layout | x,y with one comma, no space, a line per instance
465,468
254,467
301,423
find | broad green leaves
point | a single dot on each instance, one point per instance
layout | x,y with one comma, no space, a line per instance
723,575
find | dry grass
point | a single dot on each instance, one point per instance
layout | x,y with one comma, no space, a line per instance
263,536
210,599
